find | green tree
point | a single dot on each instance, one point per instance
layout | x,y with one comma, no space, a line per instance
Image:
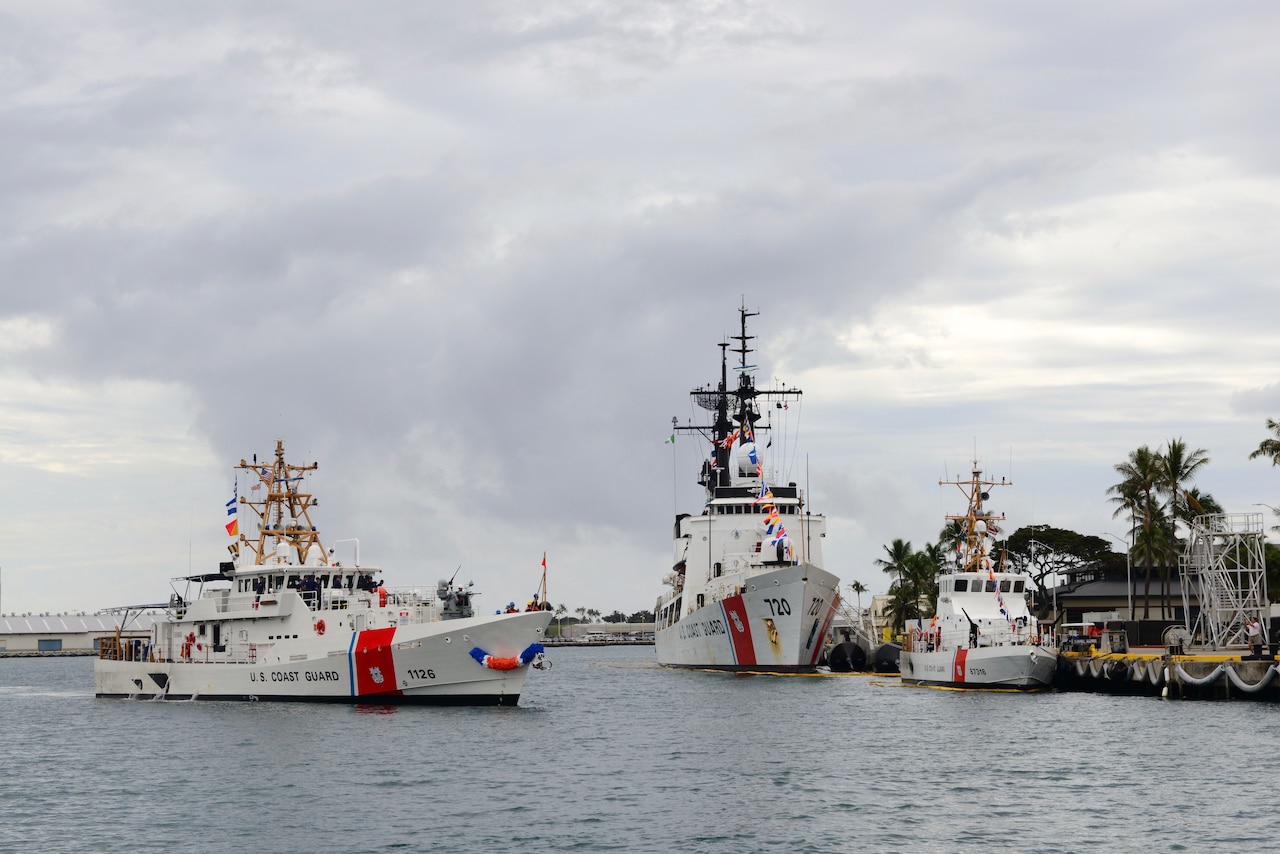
1269,447
561,610
1178,466
895,560
858,589
1201,503
1041,551
925,566
1137,495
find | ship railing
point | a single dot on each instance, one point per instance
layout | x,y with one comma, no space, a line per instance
237,652
118,648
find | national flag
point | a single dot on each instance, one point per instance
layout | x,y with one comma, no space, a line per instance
670,441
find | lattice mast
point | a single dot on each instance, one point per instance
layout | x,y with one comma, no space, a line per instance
284,513
1223,563
731,403
976,524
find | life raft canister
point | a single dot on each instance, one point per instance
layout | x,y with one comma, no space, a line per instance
319,627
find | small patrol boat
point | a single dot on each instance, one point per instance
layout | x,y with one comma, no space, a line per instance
983,634
746,591
285,620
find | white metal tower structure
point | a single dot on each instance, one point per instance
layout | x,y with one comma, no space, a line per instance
1223,564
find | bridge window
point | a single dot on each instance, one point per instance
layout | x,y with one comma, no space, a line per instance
962,584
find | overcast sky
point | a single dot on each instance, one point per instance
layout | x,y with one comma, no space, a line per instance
471,258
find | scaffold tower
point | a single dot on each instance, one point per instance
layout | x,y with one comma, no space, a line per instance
1223,565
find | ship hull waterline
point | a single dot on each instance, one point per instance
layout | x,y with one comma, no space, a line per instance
1018,668
415,664
776,625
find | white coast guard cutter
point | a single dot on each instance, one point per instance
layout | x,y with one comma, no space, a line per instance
746,591
983,634
284,621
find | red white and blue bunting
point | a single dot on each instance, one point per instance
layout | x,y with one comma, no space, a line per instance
494,663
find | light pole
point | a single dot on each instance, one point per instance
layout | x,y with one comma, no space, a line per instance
1128,569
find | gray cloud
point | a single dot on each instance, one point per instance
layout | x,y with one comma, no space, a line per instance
472,258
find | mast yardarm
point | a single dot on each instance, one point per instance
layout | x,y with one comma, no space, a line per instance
284,512
976,523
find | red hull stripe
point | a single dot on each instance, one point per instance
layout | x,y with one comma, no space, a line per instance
826,627
735,617
959,668
375,667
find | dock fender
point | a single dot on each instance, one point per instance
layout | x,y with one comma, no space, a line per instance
1255,687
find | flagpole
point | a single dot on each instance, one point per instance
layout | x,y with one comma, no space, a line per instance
675,498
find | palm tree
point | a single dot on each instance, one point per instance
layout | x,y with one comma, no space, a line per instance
922,579
1200,503
582,614
561,610
1177,466
858,589
593,614
1270,447
895,560
902,606
1137,494
950,538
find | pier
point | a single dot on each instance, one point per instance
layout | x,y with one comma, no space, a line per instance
1190,675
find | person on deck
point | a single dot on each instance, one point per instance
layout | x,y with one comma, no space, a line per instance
1253,633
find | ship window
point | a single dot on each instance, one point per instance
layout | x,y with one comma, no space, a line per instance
1004,585
962,584
991,586
337,582
200,629
1017,585
701,599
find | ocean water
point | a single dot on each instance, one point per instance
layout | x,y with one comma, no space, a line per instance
608,752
